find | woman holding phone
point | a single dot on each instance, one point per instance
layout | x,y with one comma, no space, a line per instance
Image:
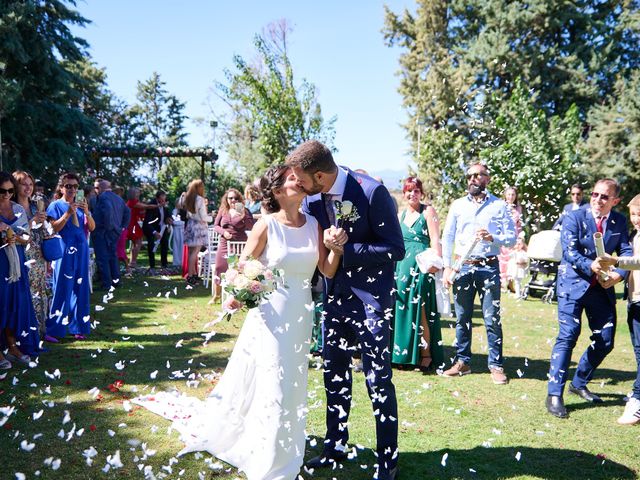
233,222
36,216
70,304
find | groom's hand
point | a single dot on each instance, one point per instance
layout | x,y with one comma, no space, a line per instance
335,238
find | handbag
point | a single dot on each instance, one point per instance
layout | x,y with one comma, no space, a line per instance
52,248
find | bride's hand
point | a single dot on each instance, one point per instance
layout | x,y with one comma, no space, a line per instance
232,304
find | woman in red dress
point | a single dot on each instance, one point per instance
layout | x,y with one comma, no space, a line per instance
232,223
134,230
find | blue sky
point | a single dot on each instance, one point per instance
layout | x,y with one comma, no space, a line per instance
337,45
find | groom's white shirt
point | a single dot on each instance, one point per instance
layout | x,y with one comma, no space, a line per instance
337,189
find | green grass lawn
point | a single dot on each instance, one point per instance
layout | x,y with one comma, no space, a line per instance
450,428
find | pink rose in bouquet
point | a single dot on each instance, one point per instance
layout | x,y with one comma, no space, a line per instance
248,282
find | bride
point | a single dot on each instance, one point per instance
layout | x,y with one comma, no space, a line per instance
255,417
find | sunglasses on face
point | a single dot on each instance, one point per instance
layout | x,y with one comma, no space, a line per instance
233,198
5,191
596,195
71,186
576,194
476,175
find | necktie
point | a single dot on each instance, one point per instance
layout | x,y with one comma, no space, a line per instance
599,222
328,205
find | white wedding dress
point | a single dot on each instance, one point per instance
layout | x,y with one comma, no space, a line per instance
255,417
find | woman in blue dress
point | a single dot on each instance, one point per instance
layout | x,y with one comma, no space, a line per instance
71,291
18,324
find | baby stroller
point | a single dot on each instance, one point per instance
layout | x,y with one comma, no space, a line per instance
545,253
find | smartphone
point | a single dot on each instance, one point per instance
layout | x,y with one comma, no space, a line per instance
80,196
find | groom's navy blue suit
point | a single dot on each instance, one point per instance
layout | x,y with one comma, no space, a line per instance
577,293
359,304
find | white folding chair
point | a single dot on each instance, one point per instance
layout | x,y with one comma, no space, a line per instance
233,248
207,259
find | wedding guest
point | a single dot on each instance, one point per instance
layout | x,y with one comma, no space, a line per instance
121,245
134,229
37,231
581,290
111,218
18,324
478,224
577,201
416,330
69,310
518,264
253,201
631,414
510,196
232,223
196,231
157,222
39,188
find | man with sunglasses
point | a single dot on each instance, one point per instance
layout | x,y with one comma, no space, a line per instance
580,289
577,201
478,224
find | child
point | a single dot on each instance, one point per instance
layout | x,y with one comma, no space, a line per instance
518,264
631,413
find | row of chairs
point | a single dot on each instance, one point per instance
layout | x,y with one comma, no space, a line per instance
207,258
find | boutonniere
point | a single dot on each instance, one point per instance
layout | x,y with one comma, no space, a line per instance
346,212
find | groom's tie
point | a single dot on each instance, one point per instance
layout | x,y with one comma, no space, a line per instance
328,206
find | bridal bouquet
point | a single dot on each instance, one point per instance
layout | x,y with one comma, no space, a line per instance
249,282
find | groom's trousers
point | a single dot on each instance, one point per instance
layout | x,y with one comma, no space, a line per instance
349,327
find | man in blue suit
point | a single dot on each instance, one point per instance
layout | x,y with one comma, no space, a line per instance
358,301
580,289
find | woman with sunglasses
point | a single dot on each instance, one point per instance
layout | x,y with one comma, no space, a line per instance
70,304
37,263
18,324
232,223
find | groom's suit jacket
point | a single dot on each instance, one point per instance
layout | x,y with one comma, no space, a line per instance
578,250
375,243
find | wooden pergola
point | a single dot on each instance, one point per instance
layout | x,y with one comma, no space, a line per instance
204,154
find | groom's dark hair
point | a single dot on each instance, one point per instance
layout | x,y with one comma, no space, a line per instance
312,156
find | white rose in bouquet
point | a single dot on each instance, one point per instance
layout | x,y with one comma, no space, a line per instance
252,269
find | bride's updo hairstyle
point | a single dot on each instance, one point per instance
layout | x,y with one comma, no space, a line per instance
273,179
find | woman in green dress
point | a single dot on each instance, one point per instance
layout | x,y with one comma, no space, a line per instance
417,339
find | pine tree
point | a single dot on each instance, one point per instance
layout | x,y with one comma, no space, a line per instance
42,124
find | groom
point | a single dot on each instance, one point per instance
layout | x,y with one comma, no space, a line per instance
358,301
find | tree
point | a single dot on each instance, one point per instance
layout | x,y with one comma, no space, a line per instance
613,146
269,114
176,173
160,115
42,126
537,155
460,60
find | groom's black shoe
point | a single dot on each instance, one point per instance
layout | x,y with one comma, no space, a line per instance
327,459
555,406
585,393
384,474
